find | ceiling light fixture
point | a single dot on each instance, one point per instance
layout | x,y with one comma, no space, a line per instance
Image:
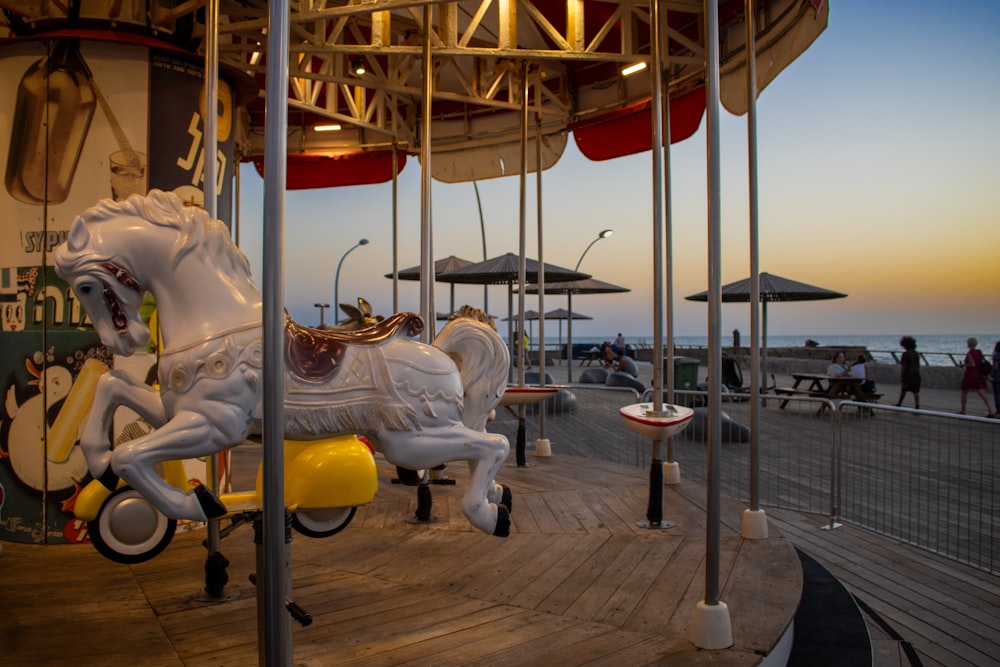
358,67
329,127
632,69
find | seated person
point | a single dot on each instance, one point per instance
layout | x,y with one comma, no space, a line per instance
627,365
608,356
619,345
838,368
858,370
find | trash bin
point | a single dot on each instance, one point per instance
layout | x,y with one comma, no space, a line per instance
685,379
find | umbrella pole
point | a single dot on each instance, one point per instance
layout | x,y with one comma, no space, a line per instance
569,338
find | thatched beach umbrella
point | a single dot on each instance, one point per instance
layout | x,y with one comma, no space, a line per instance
449,263
504,269
772,288
563,314
569,288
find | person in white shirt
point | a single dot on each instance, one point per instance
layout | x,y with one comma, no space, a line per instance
858,370
619,345
838,368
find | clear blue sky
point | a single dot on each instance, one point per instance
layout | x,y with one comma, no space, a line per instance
879,162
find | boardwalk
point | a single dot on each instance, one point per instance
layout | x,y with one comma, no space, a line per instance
576,583
938,611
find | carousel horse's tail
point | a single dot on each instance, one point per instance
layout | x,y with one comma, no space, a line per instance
482,360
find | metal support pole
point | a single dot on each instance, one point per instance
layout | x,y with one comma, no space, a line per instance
654,513
215,576
276,580
522,227
395,228
426,250
668,273
754,522
711,626
656,114
712,532
542,445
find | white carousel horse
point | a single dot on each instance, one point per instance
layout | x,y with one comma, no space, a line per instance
420,405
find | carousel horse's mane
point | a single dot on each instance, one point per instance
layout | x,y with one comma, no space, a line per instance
198,232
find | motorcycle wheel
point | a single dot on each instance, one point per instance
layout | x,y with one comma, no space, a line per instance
322,522
129,529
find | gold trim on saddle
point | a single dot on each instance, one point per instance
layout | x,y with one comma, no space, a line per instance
315,355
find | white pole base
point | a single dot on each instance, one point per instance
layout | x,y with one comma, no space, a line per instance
711,628
543,447
671,472
754,525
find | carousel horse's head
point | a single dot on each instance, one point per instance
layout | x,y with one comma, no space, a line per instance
106,250
104,282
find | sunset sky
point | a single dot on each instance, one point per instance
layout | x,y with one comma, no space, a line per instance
879,162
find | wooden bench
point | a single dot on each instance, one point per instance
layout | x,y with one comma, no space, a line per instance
813,393
793,391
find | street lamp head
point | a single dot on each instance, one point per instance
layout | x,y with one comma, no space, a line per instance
336,278
603,234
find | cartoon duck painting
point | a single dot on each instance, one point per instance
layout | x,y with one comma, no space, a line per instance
57,467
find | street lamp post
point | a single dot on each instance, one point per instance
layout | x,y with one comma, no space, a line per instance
336,278
322,309
603,234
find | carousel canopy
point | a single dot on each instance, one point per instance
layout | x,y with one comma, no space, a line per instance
355,80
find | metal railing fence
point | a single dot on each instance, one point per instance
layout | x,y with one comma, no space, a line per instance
926,478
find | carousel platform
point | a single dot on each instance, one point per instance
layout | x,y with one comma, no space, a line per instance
577,582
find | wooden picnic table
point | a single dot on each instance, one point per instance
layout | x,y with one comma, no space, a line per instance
820,385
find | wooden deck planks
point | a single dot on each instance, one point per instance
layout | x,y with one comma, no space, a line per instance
576,582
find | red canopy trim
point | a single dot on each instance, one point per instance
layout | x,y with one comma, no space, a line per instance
307,171
628,130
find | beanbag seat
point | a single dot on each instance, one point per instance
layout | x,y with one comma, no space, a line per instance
594,376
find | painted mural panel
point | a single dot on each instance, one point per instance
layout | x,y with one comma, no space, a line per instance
177,137
85,120
48,370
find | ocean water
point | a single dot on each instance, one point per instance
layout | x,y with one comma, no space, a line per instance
936,347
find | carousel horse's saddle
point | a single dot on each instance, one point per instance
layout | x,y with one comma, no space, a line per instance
316,354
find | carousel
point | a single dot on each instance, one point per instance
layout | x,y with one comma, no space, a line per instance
128,305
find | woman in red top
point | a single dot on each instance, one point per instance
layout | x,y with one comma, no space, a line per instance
973,378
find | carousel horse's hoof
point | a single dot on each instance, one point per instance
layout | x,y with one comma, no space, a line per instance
507,499
108,479
503,522
210,504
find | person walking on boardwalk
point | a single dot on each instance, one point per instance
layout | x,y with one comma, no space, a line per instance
974,377
909,371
